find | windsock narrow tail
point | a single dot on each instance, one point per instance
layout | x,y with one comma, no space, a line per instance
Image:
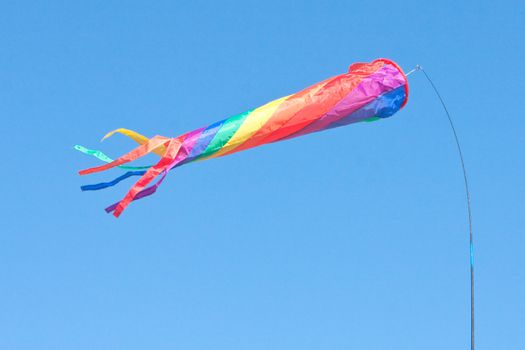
169,148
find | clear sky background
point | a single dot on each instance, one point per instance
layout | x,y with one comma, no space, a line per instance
355,238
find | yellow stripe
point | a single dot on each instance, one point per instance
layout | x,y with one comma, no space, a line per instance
138,138
253,122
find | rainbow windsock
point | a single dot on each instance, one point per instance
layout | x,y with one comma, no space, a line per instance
368,92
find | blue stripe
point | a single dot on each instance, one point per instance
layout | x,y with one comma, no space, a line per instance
204,139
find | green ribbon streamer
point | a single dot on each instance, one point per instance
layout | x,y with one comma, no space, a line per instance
105,158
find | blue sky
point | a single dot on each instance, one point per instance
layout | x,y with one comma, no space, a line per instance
355,238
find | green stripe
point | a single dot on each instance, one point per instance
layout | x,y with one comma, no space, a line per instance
225,133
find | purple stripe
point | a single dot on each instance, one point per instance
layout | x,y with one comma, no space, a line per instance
190,140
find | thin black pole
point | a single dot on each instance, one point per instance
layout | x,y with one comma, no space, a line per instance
467,192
